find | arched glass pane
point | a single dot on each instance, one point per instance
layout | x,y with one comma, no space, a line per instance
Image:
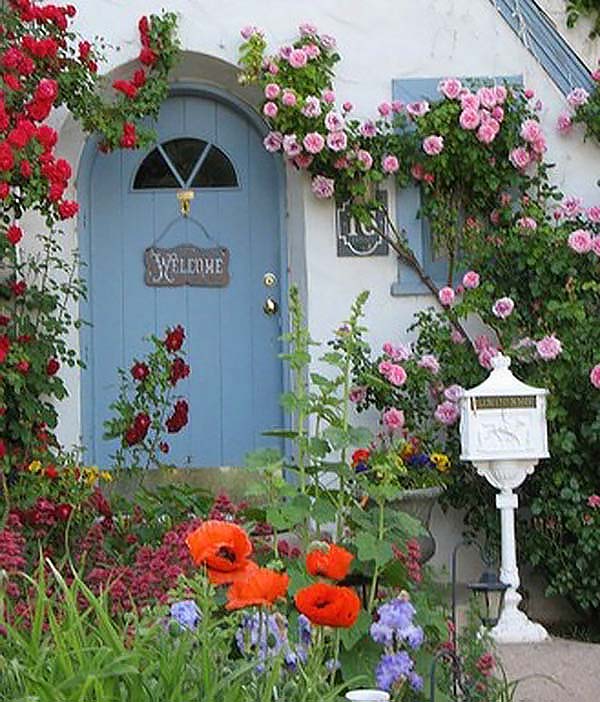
154,173
184,155
217,171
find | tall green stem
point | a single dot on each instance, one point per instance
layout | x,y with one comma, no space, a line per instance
380,535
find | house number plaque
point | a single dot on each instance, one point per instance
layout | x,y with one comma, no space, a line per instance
186,265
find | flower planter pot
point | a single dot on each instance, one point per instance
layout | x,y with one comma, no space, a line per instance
419,504
367,696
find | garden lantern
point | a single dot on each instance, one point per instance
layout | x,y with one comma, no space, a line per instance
490,592
503,433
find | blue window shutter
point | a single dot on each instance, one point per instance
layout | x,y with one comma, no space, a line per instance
408,200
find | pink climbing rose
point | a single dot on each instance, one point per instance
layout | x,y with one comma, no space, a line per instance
430,363
549,348
433,145
520,158
323,187
450,88
595,376
469,118
390,164
297,58
447,413
503,307
313,142
593,501
580,241
393,419
446,296
471,280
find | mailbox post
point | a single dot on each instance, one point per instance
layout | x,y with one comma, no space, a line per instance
503,433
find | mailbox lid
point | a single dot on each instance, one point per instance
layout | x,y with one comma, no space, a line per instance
502,382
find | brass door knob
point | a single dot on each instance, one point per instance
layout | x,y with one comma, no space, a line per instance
270,280
270,307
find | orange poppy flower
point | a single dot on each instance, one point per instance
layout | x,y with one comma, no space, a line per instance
224,549
328,605
330,561
262,587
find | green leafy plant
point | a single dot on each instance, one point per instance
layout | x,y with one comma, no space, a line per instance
584,8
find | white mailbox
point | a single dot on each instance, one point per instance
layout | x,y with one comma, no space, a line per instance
503,418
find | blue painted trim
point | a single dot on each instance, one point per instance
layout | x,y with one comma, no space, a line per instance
545,43
83,186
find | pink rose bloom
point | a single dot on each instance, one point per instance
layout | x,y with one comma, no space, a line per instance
390,164
285,51
334,121
397,353
291,147
539,145
313,142
288,98
580,241
312,106
527,223
396,375
450,88
417,109
447,413
446,296
520,158
501,93
503,307
595,376
505,199
397,106
368,129
303,160
272,91
483,342
270,109
596,76
417,171
596,245
365,159
297,58
312,51
549,348
430,363
384,109
498,113
357,394
571,206
307,29
485,357
470,101
593,214
594,501
578,97
273,141
471,280
433,145
347,106
384,367
469,118
487,97
341,162
564,123
495,217
453,393
323,187
530,130
273,69
249,30
337,141
328,42
488,131
328,96
393,419
456,337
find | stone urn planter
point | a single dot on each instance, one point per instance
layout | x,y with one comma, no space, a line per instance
419,503
367,696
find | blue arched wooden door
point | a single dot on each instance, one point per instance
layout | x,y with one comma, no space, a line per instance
212,149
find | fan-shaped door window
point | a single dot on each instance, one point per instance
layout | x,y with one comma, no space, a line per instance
185,163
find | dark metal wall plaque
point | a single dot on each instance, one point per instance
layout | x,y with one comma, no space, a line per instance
503,402
353,240
186,265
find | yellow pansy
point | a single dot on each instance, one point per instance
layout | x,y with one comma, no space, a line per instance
106,476
35,467
441,461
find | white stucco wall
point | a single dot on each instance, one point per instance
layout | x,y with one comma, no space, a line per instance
379,41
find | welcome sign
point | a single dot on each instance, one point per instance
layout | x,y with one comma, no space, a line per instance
186,265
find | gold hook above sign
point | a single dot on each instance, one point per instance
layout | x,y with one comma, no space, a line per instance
185,198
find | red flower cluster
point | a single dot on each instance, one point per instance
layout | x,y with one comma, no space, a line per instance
179,370
138,430
174,338
44,515
179,418
411,559
140,371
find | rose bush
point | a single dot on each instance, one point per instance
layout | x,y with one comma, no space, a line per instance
584,109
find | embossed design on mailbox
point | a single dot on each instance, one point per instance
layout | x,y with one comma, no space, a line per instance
187,265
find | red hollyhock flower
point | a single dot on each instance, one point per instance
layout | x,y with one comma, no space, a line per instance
67,209
262,588
174,338
14,234
4,348
329,561
179,370
52,366
132,436
139,78
328,605
147,56
224,549
126,87
142,423
144,30
140,371
63,511
7,160
23,366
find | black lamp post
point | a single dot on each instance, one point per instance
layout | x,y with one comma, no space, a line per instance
490,591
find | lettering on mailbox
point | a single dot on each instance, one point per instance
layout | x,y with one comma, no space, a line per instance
186,265
504,402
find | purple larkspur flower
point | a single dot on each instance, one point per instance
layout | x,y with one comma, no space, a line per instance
393,669
397,614
415,681
414,636
186,613
381,633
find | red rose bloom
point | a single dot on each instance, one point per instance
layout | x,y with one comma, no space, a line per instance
141,423
23,366
129,136
147,56
47,90
164,447
140,371
26,169
46,136
51,472
19,137
67,209
179,418
84,50
7,160
126,87
38,110
144,29
174,338
179,370
12,81
132,436
139,78
52,366
14,234
4,190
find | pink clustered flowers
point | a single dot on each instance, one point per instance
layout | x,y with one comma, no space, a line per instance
595,376
549,348
393,373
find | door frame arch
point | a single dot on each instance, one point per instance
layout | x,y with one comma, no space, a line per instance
83,187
